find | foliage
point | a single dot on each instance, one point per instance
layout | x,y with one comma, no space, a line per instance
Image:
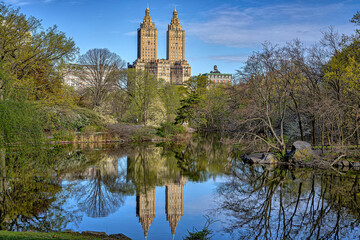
38,236
187,110
58,118
169,129
19,123
204,234
198,84
170,96
142,89
32,58
143,134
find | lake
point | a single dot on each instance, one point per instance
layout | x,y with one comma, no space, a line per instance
163,191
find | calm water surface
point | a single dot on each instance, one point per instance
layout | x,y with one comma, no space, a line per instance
163,191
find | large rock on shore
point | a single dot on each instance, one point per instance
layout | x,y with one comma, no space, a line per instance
301,150
253,158
268,158
260,158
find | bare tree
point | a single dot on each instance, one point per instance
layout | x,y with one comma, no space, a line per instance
98,73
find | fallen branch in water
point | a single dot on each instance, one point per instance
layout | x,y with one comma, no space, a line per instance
336,160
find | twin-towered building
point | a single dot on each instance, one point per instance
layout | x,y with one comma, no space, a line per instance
174,69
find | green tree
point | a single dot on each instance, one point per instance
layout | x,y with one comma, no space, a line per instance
342,76
19,123
198,84
28,54
142,88
171,95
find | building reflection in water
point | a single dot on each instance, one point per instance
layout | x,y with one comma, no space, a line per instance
175,202
174,206
146,209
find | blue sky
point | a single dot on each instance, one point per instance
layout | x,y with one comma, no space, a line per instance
219,33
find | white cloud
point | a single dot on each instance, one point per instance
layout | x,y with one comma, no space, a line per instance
230,58
27,2
235,27
18,2
132,33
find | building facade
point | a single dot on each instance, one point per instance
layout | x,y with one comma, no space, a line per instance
174,69
216,77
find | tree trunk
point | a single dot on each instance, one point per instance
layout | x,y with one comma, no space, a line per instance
2,170
313,131
299,119
357,129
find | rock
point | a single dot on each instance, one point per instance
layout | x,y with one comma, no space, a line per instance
301,151
120,236
345,163
252,159
93,233
269,158
345,169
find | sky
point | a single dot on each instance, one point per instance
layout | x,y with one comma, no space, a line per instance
222,33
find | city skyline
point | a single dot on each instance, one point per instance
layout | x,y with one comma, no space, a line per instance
217,34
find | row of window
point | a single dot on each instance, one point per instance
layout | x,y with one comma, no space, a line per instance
220,76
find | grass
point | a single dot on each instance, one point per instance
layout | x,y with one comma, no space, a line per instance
42,236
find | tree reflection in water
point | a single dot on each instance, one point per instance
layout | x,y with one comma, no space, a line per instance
30,192
280,203
104,187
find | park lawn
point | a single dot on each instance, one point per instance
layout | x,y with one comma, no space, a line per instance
42,236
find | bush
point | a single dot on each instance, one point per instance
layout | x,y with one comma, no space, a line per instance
143,134
64,135
59,118
19,123
169,129
204,234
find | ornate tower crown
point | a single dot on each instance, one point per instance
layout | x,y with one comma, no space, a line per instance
147,19
147,39
175,19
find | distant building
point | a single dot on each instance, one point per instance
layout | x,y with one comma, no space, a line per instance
174,69
217,77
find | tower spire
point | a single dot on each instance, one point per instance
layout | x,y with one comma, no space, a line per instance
175,19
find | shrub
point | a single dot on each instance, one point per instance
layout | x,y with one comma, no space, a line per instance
143,134
19,123
169,129
204,234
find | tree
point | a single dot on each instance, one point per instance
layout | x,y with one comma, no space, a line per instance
170,95
198,84
27,51
188,112
99,72
142,89
342,76
268,76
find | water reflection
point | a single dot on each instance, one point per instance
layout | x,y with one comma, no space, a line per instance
63,185
280,203
29,191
